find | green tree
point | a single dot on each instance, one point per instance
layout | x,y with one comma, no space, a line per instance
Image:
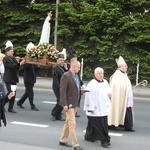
99,30
21,22
102,30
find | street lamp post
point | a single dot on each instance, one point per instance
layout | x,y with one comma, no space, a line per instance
56,24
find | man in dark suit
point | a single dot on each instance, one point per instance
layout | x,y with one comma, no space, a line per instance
11,65
69,99
58,70
29,76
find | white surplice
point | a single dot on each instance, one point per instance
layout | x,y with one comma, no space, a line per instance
97,99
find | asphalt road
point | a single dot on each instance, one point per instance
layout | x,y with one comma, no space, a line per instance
31,130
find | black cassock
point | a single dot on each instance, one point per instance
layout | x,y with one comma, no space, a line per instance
2,110
97,129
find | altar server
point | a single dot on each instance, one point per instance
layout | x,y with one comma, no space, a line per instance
96,106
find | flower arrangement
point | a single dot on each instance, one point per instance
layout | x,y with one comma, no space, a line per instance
41,50
36,52
52,52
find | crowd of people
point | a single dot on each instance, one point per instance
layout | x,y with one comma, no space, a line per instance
9,66
108,105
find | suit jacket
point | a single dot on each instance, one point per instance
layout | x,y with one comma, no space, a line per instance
11,69
81,83
69,95
29,73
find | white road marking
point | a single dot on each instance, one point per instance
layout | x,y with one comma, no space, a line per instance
47,102
30,124
111,134
115,134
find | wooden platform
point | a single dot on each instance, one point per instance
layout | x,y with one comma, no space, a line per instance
44,61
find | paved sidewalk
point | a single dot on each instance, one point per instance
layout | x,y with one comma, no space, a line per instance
46,83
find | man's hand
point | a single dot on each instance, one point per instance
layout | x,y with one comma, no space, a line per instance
11,95
17,58
23,61
65,108
65,66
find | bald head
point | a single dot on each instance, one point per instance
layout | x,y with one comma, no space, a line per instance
75,66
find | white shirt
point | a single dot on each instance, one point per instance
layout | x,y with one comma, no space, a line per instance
2,69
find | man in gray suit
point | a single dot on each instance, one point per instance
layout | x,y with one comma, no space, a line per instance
69,99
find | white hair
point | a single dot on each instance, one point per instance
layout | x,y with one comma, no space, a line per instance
98,69
75,62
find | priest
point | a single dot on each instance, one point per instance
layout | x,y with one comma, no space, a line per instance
121,108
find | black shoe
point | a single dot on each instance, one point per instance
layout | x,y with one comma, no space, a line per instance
34,108
90,140
65,144
53,118
112,127
130,130
78,148
60,119
12,111
77,115
105,145
20,105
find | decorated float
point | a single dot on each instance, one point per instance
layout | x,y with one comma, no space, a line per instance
43,53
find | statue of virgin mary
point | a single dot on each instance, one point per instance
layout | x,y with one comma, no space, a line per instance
45,35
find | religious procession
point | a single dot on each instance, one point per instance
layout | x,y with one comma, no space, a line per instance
108,104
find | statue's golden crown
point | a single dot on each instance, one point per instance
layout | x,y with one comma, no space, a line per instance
50,13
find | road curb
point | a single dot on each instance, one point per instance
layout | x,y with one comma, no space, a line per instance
46,83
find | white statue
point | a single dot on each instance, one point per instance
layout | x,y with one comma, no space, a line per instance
45,35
